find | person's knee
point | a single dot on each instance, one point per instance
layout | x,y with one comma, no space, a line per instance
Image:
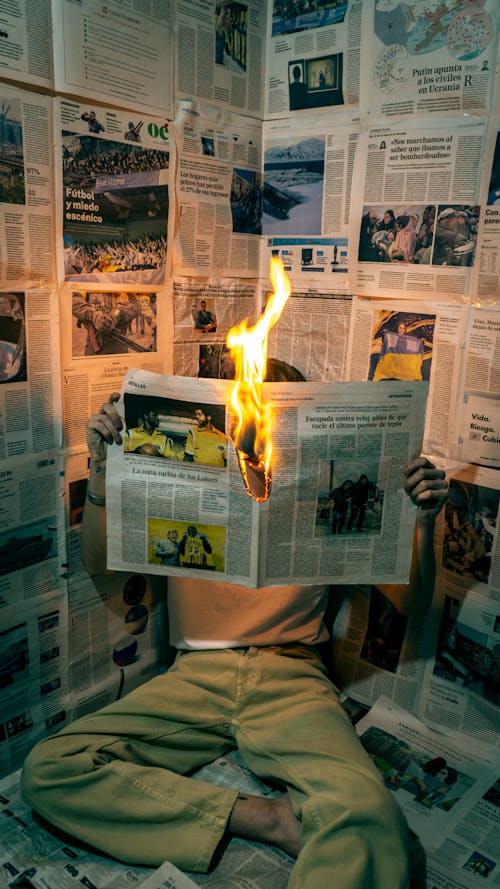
49,764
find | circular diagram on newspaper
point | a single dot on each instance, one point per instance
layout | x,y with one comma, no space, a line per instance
469,34
391,69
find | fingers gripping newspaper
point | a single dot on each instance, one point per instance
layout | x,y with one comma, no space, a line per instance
177,504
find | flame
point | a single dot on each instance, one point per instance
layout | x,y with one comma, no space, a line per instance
248,346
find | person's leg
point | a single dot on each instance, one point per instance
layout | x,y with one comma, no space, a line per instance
292,729
115,779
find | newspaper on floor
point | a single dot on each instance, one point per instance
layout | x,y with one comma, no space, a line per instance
122,53
177,503
437,779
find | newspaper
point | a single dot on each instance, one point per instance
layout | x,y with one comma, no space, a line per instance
313,57
33,675
308,169
112,195
415,208
25,48
220,53
325,437
475,436
486,281
437,779
218,190
32,545
438,58
30,402
26,189
121,52
412,341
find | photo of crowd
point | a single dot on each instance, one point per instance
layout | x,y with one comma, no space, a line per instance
13,364
115,210
470,529
353,500
12,184
192,545
423,235
177,430
290,16
401,346
463,656
113,323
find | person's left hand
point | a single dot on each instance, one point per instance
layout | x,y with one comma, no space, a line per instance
426,486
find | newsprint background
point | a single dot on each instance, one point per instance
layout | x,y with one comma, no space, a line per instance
153,158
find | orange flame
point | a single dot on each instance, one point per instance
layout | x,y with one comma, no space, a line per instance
248,346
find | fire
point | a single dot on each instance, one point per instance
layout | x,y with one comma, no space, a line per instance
248,345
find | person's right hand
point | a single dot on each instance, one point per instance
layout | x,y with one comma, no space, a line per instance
104,428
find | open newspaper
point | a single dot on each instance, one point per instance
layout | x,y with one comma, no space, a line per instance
177,503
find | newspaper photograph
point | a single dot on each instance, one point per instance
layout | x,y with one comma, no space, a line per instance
26,49
306,198
30,399
26,189
33,675
221,53
407,341
433,776
120,52
460,689
204,311
112,195
435,58
188,516
219,192
313,56
476,434
32,544
416,208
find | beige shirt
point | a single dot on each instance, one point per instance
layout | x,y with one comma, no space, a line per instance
207,614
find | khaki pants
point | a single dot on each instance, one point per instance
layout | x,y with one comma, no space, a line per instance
115,779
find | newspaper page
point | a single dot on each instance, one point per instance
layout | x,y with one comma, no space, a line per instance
412,343
109,331
460,689
33,675
313,56
33,857
30,399
26,189
433,776
470,853
112,195
221,53
476,433
432,58
313,332
219,193
25,48
204,311
121,52
376,650
32,546
415,208
308,169
486,280
188,516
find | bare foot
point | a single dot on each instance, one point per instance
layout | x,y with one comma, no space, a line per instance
267,821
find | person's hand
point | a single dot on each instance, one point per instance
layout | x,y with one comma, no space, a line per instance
426,486
104,322
104,428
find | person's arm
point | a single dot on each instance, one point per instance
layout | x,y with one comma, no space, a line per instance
427,488
103,428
